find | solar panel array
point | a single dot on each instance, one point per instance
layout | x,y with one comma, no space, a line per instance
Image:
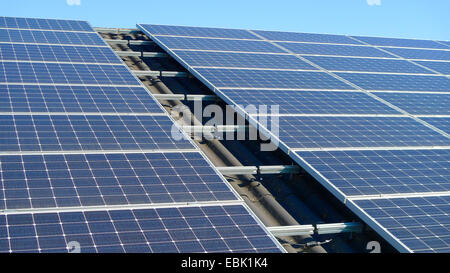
367,117
88,157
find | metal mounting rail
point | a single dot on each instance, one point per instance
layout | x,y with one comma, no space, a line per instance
129,42
320,229
142,54
272,169
147,73
116,30
185,97
213,129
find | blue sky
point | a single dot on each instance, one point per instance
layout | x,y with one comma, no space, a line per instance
391,18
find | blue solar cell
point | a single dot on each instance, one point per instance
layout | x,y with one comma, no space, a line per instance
218,44
357,173
331,132
90,132
64,73
397,42
337,50
447,43
81,180
441,67
410,53
197,31
440,123
49,24
243,78
246,60
54,53
419,223
419,103
83,99
309,102
306,37
398,82
128,231
50,37
367,65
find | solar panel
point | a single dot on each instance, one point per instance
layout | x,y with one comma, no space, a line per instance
73,99
367,65
246,78
376,172
309,102
82,180
221,59
218,44
394,82
183,229
397,42
50,37
410,53
54,53
337,50
441,67
65,73
419,103
199,31
306,37
88,132
419,224
49,24
332,132
441,123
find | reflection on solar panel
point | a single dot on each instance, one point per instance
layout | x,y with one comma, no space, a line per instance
331,132
346,138
82,99
21,72
420,224
383,172
74,180
367,65
310,102
418,103
49,24
183,229
90,132
50,37
245,78
54,53
221,59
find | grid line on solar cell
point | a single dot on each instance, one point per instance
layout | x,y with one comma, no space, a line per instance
420,223
367,65
332,132
90,132
398,42
385,82
24,72
337,50
440,123
218,44
419,103
310,102
227,78
188,229
49,24
81,180
305,37
50,37
197,31
377,172
422,54
51,53
441,67
220,59
47,98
